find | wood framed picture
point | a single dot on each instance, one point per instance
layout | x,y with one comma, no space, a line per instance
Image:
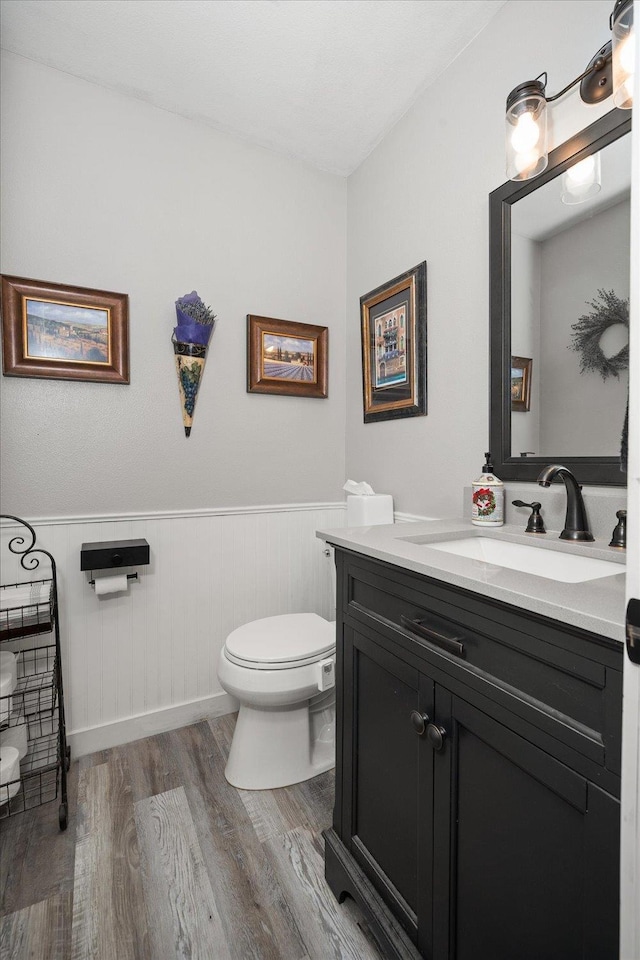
520,383
64,333
394,347
286,358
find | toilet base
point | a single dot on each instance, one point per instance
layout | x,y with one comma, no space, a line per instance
283,745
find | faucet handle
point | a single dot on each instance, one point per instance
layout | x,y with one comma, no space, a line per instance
619,535
536,523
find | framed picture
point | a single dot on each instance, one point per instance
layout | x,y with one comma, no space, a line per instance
520,383
64,333
286,358
394,347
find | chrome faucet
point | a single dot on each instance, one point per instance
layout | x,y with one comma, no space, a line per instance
576,525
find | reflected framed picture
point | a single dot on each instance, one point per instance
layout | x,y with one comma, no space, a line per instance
64,333
520,383
394,347
286,358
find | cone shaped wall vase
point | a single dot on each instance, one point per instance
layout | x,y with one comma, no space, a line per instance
190,361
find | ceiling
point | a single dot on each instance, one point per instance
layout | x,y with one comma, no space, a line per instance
320,80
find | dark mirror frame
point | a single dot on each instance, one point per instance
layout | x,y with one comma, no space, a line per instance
596,470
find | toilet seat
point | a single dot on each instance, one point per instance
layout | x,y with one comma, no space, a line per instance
282,642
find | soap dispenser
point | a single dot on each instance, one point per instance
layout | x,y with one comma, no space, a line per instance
487,501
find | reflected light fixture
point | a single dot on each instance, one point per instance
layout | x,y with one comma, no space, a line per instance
582,181
610,71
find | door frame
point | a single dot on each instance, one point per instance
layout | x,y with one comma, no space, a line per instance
630,796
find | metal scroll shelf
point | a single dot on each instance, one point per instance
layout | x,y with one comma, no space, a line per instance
30,610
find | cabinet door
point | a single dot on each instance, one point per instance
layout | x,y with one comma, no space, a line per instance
389,808
531,869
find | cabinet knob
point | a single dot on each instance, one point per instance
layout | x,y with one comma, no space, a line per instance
436,736
419,722
116,559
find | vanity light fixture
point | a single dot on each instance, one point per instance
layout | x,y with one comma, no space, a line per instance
527,153
610,71
623,52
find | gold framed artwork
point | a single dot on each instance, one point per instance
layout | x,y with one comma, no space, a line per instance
286,358
520,383
394,347
64,333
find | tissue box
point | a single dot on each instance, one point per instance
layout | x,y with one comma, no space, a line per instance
369,511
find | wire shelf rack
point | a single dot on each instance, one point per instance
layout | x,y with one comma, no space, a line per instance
38,781
28,609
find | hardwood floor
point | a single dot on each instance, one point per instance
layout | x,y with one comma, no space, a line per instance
164,859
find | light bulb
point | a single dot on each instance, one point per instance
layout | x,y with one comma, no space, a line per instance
526,160
581,173
526,133
624,94
627,55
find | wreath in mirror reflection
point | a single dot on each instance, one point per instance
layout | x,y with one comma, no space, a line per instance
607,311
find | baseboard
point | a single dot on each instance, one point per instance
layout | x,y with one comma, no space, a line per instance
147,724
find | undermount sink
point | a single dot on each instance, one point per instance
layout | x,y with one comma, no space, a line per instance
549,563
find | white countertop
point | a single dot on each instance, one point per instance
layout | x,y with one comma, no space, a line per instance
594,605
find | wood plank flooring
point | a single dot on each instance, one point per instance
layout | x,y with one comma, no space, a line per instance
164,859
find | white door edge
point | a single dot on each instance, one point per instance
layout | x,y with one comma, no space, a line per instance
630,802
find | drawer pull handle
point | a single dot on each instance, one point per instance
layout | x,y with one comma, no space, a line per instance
419,722
436,736
450,644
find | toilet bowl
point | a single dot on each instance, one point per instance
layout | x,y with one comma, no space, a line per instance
282,671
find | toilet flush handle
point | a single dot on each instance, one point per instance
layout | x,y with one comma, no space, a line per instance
326,671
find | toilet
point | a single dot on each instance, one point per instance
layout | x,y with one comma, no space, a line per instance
282,671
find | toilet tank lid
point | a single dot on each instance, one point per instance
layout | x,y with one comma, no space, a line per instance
290,637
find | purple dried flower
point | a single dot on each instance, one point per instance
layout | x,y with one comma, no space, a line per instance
192,306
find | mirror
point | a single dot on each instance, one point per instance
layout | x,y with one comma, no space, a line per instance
559,310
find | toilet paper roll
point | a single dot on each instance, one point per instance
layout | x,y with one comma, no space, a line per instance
6,700
9,664
9,772
15,737
114,584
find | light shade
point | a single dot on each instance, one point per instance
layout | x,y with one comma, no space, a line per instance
526,131
623,53
582,181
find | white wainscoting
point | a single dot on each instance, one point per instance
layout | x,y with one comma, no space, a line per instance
144,661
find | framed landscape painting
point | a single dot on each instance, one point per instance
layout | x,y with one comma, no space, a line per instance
520,383
286,358
64,333
394,347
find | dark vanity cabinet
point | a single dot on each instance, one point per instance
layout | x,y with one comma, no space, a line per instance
477,773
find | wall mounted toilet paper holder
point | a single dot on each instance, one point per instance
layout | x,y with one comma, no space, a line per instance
113,554
130,576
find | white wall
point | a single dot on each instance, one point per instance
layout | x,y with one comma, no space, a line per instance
423,195
104,191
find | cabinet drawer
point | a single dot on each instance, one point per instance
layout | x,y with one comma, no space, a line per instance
565,681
